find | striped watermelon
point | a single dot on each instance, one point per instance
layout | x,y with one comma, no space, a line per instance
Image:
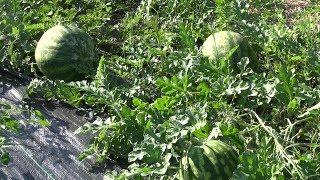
218,45
65,52
213,160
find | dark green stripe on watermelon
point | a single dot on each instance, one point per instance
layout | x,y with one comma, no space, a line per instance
224,154
198,163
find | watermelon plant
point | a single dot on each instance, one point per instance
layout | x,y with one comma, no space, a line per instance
65,52
177,58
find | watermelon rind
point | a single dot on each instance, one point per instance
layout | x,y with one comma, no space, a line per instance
213,160
218,45
65,52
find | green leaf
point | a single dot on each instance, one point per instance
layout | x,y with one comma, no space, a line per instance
41,119
163,103
5,158
286,79
11,124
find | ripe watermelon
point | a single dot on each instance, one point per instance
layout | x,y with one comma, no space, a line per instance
213,160
65,52
218,45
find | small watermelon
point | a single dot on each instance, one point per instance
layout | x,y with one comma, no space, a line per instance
65,52
213,160
218,45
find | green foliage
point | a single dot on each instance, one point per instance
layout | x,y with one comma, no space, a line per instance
154,95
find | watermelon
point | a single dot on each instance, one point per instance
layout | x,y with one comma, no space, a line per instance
213,160
218,45
65,52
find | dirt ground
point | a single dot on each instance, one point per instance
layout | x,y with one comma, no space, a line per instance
293,6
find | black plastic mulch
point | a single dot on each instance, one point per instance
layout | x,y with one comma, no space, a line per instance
44,152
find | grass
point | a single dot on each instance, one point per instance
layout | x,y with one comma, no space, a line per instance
161,95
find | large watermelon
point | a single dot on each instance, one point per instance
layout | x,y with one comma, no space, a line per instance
213,160
218,45
65,52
